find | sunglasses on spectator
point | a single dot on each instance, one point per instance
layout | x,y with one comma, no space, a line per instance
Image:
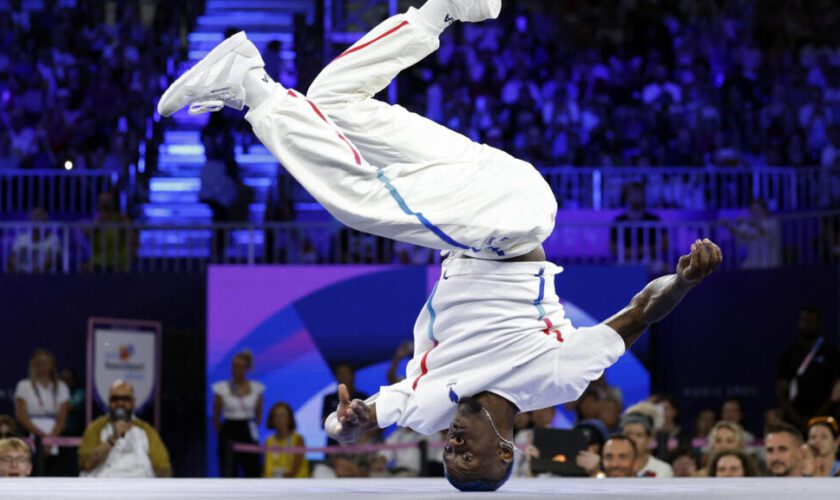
124,399
7,460
829,421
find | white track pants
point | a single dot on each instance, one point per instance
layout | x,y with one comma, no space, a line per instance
380,169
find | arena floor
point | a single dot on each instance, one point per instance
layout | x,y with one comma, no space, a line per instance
157,489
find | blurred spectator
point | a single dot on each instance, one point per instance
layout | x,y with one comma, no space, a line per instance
403,462
669,433
113,244
587,406
344,374
240,402
118,444
807,371
404,350
639,427
42,404
609,413
540,419
731,463
596,433
782,446
281,419
733,411
703,423
726,436
824,436
642,244
619,456
761,234
15,458
808,459
76,414
36,250
8,427
685,463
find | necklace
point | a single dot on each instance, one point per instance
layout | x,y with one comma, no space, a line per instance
493,425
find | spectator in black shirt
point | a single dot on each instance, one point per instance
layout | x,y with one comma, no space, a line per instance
807,371
640,245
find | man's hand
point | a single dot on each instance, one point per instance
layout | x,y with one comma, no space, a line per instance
704,259
120,428
351,420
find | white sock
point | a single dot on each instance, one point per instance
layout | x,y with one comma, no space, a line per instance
436,15
258,86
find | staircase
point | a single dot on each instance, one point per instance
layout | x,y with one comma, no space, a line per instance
174,191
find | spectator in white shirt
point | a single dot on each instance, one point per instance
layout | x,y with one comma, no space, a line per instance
639,428
42,404
240,402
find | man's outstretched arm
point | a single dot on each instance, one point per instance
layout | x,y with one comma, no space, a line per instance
352,420
662,295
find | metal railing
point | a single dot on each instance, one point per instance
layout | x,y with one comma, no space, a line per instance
72,193
803,239
697,188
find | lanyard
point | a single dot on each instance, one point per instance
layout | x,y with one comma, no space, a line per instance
810,357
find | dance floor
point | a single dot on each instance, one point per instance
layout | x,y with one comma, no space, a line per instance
158,489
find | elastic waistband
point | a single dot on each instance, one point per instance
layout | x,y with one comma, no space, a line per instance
469,266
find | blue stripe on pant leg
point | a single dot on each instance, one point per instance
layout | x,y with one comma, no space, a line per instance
422,218
538,302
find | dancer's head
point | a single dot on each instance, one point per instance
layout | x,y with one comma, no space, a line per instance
477,457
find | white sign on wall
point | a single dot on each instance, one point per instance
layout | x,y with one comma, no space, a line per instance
127,350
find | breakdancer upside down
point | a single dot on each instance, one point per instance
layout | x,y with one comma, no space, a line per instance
492,339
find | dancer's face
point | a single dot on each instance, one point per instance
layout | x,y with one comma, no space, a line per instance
472,448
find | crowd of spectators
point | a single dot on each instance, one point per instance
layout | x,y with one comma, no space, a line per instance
643,83
77,78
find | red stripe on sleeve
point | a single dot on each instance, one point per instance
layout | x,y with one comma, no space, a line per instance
423,368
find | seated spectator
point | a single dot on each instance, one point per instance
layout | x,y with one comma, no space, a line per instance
703,424
404,462
731,463
35,250
781,444
15,458
540,419
638,426
824,436
685,462
761,234
590,458
281,419
118,444
619,456
609,412
8,427
42,405
723,436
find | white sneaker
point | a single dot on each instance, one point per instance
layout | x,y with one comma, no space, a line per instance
474,11
216,81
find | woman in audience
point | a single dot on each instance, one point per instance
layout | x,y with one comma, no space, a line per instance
281,420
42,404
724,436
731,463
240,402
823,435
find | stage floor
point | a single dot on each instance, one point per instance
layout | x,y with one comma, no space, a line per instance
158,489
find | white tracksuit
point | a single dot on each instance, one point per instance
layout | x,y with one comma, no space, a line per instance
488,326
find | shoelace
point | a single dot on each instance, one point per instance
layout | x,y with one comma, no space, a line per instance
231,96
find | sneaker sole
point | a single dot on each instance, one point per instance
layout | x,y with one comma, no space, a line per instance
218,52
